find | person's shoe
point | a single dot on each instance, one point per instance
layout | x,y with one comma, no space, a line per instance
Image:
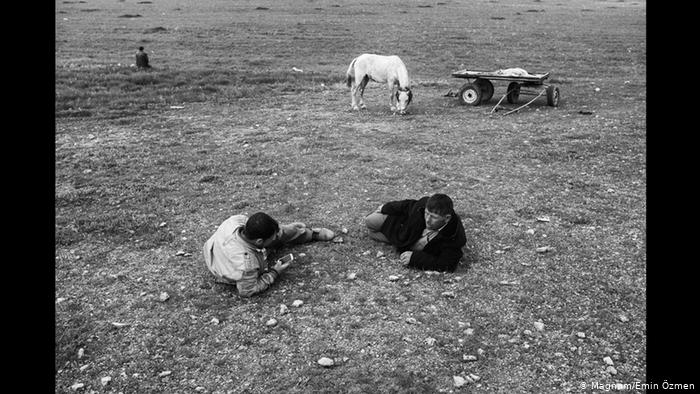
322,234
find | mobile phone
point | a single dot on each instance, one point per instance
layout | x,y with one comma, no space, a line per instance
286,258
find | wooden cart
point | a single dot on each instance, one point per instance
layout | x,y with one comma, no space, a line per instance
481,89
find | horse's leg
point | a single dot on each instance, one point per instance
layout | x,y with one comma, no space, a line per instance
353,94
392,99
363,84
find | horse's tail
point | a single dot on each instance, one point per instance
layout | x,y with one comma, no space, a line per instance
350,74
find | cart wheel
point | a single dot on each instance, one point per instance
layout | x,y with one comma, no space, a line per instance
513,92
486,89
470,94
552,96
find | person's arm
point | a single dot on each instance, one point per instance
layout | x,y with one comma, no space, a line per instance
253,283
447,260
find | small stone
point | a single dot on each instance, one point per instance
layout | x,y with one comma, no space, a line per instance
469,357
430,341
581,334
199,388
469,331
543,249
180,253
411,320
163,224
475,378
163,296
559,354
326,362
105,380
448,294
297,303
480,351
459,381
351,276
393,278
338,240
608,360
380,254
623,318
283,309
527,332
84,367
81,352
611,370
215,320
530,231
344,230
539,325
271,323
543,219
164,374
77,386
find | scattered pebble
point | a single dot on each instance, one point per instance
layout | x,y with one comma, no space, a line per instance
393,278
351,276
164,374
283,309
430,341
611,370
527,332
543,219
163,224
459,381
163,296
608,360
105,380
59,300
448,294
338,240
380,254
411,320
480,351
271,323
81,352
297,303
77,386
469,331
344,230
530,231
474,377
215,320
539,325
581,334
544,249
623,318
469,357
326,362
84,367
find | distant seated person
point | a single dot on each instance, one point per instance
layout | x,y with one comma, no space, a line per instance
427,232
237,252
142,59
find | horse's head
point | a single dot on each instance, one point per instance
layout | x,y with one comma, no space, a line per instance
403,97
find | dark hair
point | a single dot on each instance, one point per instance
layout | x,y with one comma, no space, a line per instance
140,48
440,204
260,225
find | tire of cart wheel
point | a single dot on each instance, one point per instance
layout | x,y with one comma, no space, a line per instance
486,89
513,92
553,96
470,94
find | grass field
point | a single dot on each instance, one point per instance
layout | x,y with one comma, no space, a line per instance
148,163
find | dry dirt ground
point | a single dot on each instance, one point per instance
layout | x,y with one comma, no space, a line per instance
148,163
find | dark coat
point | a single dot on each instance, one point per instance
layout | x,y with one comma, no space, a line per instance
405,225
142,60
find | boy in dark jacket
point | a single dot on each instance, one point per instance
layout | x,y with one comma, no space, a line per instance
427,232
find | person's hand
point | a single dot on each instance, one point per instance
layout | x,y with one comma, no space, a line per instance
405,258
280,267
298,224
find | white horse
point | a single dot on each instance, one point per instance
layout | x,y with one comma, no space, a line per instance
382,69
